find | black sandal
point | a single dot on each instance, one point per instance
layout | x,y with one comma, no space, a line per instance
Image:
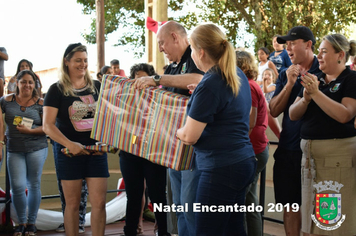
31,230
20,231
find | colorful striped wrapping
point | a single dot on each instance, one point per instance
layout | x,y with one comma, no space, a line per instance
142,122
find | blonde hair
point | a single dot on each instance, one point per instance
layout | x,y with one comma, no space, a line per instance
273,74
213,41
246,62
340,43
64,83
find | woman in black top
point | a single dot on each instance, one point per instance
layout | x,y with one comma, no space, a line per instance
327,105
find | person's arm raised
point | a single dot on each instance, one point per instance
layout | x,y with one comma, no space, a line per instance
279,103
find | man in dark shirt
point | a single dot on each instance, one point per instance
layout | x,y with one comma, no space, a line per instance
287,166
173,42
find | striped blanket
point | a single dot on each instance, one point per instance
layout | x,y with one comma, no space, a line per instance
142,122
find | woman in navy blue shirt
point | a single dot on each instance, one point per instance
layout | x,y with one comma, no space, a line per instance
217,126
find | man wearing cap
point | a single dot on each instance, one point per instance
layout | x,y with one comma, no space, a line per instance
300,43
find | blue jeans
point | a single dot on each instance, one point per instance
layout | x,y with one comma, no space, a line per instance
25,169
224,186
184,188
254,219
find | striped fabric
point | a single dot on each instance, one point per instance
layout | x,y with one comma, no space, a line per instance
142,122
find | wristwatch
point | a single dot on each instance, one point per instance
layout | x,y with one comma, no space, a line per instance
156,79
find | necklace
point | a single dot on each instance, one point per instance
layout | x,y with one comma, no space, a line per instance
81,89
23,108
280,50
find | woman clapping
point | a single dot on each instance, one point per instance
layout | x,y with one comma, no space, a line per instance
327,104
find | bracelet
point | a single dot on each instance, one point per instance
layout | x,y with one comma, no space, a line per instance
284,88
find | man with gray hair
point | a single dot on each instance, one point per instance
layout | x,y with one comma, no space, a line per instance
173,42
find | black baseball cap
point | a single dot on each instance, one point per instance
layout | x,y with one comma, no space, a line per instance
298,32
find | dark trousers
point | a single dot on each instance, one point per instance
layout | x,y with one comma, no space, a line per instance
224,186
134,170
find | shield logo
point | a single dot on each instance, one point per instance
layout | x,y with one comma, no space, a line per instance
328,208
335,88
184,68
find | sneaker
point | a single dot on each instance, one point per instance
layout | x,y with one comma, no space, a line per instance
60,228
81,229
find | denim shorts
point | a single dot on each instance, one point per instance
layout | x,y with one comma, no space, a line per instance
79,167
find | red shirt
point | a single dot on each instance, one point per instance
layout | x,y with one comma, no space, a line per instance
258,135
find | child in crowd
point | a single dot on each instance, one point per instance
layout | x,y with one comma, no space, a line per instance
269,79
115,67
104,70
263,56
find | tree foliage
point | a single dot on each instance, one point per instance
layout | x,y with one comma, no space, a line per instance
263,18
127,16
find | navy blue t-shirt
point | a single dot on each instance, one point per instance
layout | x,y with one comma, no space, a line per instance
290,135
316,123
282,61
225,139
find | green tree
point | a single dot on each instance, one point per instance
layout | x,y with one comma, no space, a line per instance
263,18
127,16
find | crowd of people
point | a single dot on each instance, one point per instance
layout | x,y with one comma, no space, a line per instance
232,101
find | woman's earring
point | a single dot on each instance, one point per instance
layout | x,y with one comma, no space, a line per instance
338,61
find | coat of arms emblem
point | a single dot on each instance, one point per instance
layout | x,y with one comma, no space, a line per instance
328,206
